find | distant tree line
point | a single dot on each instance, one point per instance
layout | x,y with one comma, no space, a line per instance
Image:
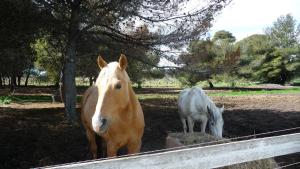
273,57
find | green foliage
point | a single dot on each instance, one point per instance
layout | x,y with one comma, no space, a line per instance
296,81
188,79
19,24
223,35
139,71
49,57
5,100
284,33
274,57
197,62
206,58
278,66
229,79
284,61
141,60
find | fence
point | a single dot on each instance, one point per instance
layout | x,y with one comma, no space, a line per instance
201,157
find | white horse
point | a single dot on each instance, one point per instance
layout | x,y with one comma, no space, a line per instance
195,105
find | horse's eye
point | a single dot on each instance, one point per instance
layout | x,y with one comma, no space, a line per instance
118,86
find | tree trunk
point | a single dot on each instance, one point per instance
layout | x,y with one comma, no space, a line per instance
211,85
1,84
91,80
26,80
13,82
139,84
3,81
69,85
56,84
19,80
283,73
61,87
58,94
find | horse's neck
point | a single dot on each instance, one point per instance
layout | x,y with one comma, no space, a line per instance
214,108
132,97
130,110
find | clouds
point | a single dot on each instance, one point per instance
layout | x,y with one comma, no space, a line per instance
246,17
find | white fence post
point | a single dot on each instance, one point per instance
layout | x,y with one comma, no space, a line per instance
202,157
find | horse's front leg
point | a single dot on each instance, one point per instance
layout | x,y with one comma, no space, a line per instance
134,147
191,124
183,124
92,143
112,149
203,125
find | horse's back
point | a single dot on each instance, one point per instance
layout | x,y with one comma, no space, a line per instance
192,101
199,99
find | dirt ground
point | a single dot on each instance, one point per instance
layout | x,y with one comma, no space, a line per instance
37,134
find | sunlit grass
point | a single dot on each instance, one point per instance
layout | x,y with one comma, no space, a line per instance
48,98
294,90
28,99
169,82
156,96
24,98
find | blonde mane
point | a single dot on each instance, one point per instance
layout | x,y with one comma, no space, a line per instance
111,68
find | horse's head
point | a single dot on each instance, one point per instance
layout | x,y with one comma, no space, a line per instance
113,93
216,121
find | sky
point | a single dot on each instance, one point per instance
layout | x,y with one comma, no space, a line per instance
246,17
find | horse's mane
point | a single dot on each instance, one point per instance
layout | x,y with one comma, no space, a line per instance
211,105
106,72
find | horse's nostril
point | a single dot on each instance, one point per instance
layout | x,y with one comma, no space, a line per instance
102,122
103,125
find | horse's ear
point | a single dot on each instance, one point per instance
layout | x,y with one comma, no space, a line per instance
101,62
123,62
222,109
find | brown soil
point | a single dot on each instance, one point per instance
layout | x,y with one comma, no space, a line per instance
37,134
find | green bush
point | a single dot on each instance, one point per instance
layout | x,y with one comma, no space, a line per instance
5,99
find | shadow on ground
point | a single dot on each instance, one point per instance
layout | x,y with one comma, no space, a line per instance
39,137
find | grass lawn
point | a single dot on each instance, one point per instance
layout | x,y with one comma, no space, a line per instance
48,98
294,90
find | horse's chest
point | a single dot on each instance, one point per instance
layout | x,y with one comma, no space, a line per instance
120,133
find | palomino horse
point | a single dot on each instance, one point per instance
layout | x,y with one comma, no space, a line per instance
194,104
111,110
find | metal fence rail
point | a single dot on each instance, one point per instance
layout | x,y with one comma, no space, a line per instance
202,157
